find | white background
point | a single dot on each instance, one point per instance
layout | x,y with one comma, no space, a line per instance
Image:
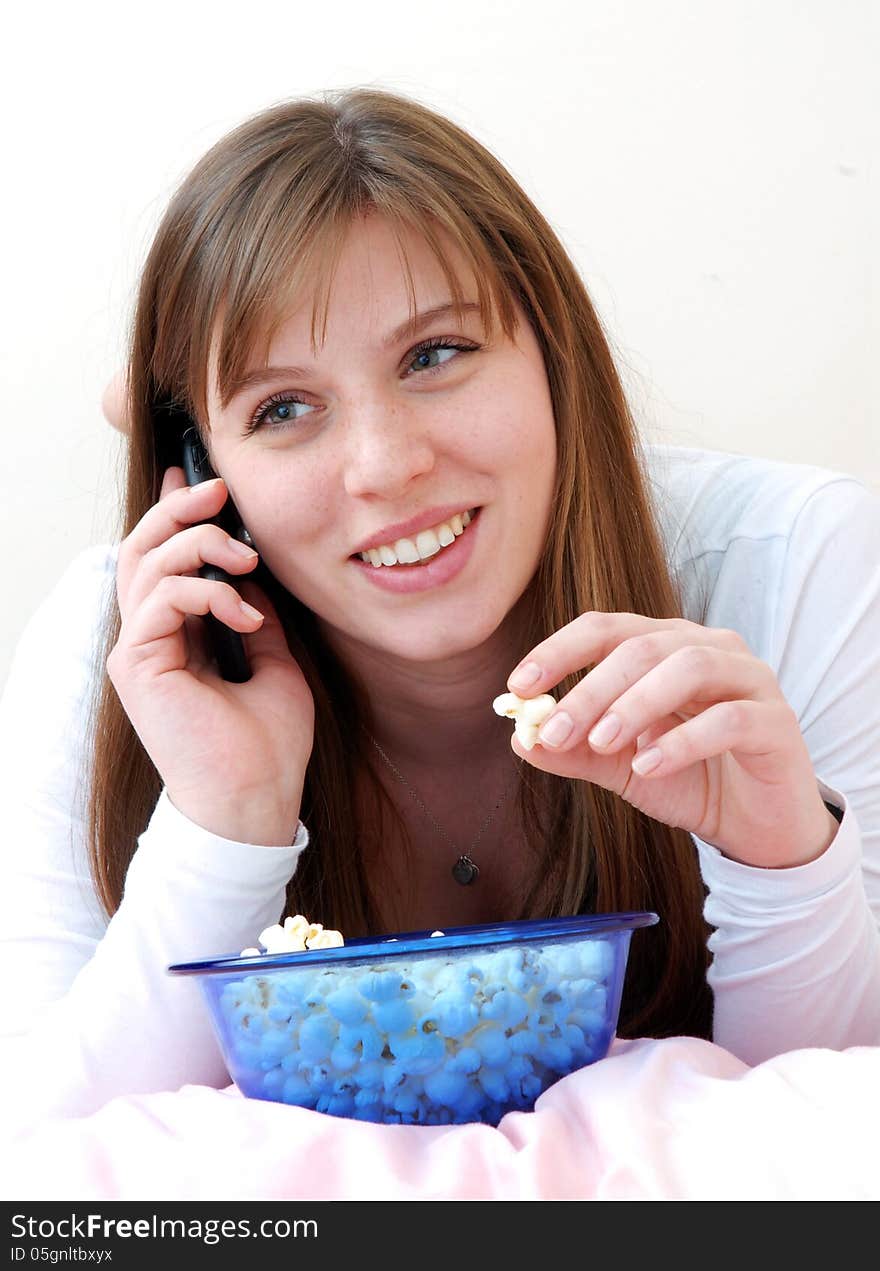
711,167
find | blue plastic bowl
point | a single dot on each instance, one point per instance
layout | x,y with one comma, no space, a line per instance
420,1029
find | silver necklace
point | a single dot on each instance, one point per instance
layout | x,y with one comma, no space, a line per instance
465,870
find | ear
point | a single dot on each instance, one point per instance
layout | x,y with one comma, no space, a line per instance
113,403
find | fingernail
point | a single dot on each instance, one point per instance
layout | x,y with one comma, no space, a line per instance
241,548
204,485
525,675
249,611
605,731
646,761
555,731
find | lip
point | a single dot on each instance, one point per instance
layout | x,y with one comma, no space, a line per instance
440,569
406,529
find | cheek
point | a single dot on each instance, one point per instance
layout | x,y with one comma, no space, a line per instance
283,517
512,423
531,463
527,438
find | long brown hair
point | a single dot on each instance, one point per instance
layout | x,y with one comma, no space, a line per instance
260,217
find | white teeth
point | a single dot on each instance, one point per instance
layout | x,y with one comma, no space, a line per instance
427,544
406,551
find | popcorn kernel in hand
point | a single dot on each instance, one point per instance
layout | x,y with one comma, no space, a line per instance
528,714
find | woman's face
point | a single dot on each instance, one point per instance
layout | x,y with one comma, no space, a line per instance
375,443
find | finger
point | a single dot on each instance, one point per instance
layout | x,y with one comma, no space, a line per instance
579,644
185,553
154,635
195,633
173,478
761,736
578,710
651,734
611,771
268,643
653,678
177,509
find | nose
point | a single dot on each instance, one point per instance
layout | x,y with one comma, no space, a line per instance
385,449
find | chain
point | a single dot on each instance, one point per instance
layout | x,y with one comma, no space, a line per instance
465,870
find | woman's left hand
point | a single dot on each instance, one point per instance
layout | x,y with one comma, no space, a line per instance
732,765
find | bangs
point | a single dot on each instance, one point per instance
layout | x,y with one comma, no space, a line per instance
293,262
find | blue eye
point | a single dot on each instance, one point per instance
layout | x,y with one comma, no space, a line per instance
435,345
425,350
278,412
283,408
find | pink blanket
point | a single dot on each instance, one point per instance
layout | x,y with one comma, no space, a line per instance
675,1119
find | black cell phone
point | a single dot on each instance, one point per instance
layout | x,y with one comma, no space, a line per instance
225,645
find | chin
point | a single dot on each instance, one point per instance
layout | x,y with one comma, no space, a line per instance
433,644
428,634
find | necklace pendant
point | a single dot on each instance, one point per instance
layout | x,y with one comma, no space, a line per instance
465,871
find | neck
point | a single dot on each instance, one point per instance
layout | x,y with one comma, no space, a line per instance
438,715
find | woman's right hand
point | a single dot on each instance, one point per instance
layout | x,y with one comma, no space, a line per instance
232,757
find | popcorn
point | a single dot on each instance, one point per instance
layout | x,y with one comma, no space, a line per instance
347,1006
381,986
425,1053
446,1087
317,1037
434,1042
556,1054
393,1017
528,713
273,1046
338,1105
495,1084
325,940
298,927
296,935
367,1096
372,1042
466,1060
343,1057
286,939
506,1008
492,1046
454,1015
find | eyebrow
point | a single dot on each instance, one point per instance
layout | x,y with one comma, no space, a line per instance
406,330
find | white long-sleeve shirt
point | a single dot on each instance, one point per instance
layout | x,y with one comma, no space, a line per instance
786,554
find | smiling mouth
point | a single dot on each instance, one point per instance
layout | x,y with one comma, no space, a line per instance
422,547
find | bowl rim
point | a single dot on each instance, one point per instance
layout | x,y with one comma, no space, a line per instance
369,948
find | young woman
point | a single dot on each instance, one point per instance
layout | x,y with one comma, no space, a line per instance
409,401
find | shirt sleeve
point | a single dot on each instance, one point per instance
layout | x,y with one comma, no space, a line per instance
90,1011
796,952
